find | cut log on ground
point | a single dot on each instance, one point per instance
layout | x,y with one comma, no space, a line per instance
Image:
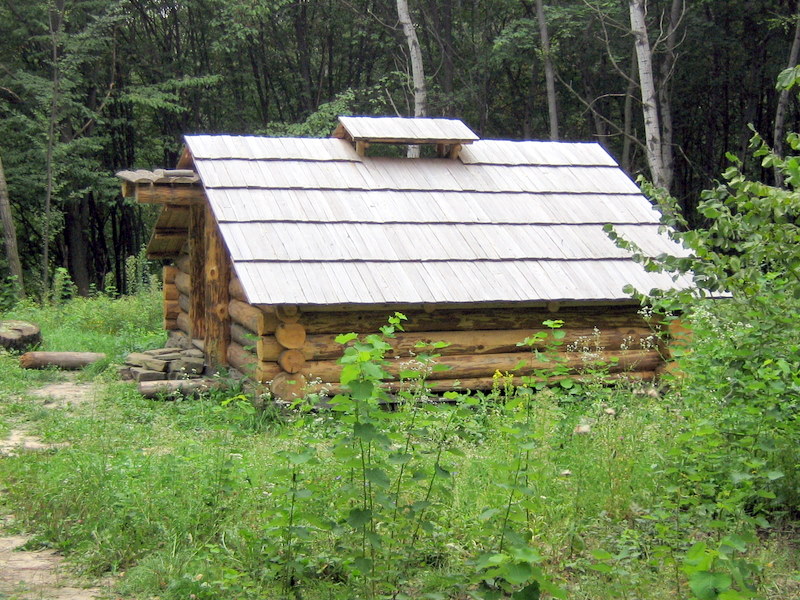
63,360
19,335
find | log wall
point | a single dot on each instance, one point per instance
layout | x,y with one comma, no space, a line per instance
294,350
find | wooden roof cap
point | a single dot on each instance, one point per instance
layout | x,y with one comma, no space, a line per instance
404,130
159,176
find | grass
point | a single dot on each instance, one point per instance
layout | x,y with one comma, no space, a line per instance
208,498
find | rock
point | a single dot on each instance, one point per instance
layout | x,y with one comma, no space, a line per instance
155,364
142,374
136,359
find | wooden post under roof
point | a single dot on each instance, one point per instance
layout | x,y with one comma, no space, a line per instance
217,295
197,252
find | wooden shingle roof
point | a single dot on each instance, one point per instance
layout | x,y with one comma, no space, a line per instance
310,222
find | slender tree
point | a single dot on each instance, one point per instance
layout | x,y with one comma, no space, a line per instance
783,99
657,152
55,20
417,70
549,73
10,233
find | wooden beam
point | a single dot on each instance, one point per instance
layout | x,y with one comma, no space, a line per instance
170,233
186,161
128,189
197,252
217,276
180,194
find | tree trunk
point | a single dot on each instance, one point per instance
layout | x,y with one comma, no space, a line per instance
665,88
75,225
417,70
56,18
783,99
627,111
10,234
652,125
549,74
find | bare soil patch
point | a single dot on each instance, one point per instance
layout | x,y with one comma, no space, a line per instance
42,574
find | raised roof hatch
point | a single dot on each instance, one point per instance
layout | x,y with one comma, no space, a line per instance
447,134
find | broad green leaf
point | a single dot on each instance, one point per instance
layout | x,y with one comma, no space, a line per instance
529,592
377,477
517,573
526,554
707,585
358,517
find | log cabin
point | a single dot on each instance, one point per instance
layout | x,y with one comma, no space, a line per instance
277,245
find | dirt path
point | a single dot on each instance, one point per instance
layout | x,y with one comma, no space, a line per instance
41,574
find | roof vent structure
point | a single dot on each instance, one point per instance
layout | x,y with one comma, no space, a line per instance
448,135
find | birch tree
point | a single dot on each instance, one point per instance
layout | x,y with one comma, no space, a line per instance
417,70
658,148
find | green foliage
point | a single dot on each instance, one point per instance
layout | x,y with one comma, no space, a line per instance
116,326
735,459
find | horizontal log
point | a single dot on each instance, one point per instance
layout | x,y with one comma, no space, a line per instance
486,341
246,338
602,317
472,383
241,359
469,365
171,291
245,315
168,273
171,309
171,324
184,283
185,387
267,371
179,194
184,323
236,290
184,303
183,263
63,360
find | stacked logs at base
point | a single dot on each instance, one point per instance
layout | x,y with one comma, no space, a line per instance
296,350
177,294
164,364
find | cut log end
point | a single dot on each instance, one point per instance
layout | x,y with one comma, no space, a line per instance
290,335
291,361
288,387
19,335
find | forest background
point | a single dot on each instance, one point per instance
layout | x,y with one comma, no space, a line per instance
90,87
